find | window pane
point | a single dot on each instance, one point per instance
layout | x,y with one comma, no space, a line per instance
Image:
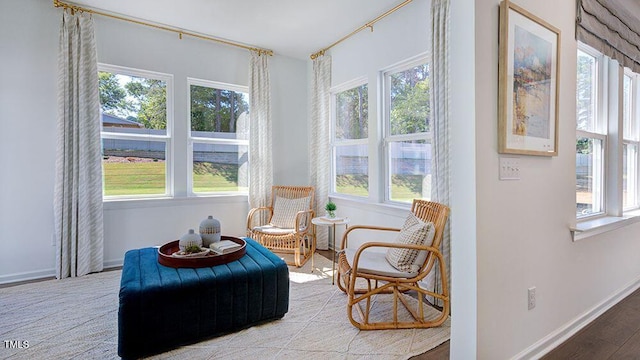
409,101
134,167
626,109
352,113
410,170
629,176
132,104
589,179
219,113
586,92
352,170
220,168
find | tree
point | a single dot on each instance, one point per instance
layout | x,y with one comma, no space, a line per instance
410,109
151,94
216,109
113,98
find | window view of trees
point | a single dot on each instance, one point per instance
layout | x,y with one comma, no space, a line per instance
409,150
219,135
134,98
134,134
409,108
216,110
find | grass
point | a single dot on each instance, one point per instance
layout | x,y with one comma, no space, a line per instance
404,188
148,178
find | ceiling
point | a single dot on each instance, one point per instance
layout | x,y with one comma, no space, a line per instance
295,28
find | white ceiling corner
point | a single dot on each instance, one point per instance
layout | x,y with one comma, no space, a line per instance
295,28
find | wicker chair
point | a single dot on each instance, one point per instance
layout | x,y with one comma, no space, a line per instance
375,276
285,225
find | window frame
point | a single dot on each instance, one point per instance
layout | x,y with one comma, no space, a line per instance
167,139
191,140
632,139
335,142
385,112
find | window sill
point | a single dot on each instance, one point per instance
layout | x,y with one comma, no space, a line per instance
589,228
131,203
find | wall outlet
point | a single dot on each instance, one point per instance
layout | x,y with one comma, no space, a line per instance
531,296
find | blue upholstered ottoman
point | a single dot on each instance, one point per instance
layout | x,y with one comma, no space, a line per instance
163,307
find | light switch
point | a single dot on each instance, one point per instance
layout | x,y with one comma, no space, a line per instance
509,168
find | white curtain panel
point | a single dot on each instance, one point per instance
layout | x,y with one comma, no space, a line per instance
260,153
319,143
78,185
440,124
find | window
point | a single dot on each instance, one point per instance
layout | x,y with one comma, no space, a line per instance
350,140
631,141
219,137
136,132
608,136
591,136
407,139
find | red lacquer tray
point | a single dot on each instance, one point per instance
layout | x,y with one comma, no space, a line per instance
211,259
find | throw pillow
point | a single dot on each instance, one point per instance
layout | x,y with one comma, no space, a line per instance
416,232
285,210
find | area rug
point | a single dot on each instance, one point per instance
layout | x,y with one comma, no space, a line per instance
78,318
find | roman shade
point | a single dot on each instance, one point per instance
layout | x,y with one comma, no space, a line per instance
611,29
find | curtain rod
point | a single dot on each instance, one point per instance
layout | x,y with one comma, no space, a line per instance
368,25
57,3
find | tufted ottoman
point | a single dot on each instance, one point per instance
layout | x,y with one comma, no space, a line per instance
163,307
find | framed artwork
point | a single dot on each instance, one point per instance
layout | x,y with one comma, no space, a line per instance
528,83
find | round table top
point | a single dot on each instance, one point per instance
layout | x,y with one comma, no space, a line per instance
323,220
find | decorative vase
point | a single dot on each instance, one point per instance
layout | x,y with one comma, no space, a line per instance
190,238
210,231
331,214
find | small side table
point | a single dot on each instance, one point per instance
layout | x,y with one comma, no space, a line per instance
323,221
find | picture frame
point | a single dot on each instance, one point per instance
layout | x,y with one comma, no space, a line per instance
529,69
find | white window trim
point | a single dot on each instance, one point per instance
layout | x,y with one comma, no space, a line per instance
205,140
384,115
611,101
167,139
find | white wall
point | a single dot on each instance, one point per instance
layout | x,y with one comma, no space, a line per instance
523,226
29,74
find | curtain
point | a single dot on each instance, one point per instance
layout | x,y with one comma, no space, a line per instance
319,150
440,122
611,29
78,183
260,152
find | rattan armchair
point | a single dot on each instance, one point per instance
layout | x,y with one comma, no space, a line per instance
365,275
285,225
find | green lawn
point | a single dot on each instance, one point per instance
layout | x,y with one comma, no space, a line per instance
148,178
404,188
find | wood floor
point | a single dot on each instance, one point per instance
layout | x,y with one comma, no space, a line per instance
615,335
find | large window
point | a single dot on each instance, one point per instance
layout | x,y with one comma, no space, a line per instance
136,132
591,136
219,137
608,136
407,138
350,140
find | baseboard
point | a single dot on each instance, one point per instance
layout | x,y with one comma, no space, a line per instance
27,276
48,273
562,334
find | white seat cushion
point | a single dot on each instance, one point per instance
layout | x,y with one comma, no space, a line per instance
273,230
285,211
416,232
372,262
